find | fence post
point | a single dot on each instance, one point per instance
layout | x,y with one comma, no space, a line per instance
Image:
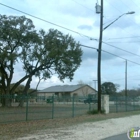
26,97
105,103
133,103
125,103
73,106
52,107
116,104
89,107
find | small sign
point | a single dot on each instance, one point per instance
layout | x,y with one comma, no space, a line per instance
134,133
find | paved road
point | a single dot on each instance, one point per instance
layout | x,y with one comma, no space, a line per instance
120,137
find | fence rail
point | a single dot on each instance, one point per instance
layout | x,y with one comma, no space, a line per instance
41,108
37,108
124,103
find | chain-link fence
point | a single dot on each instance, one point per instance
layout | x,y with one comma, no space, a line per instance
24,108
119,103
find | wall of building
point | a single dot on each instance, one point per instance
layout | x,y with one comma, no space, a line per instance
44,96
83,91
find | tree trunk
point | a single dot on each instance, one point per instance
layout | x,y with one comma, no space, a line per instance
25,94
21,103
3,101
6,100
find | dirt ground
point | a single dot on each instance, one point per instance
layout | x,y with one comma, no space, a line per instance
12,131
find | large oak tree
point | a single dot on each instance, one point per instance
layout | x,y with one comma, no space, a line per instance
40,53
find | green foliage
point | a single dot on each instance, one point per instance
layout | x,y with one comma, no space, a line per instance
20,88
95,112
130,92
57,53
15,33
41,54
108,88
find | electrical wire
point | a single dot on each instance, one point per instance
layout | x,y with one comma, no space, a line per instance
125,42
117,79
130,77
88,47
87,7
113,6
120,49
137,5
129,8
109,20
48,22
123,37
83,6
72,31
125,5
119,12
109,53
80,34
62,27
121,57
105,17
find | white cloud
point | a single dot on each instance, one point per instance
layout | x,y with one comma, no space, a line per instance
72,15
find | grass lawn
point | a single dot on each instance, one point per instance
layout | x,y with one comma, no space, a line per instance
18,129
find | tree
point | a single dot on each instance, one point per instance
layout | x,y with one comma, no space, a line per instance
16,33
108,88
84,90
41,54
130,92
80,82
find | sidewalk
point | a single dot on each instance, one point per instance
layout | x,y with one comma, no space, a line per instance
87,131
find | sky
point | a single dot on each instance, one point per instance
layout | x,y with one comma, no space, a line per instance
120,40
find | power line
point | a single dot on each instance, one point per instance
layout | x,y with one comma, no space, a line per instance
114,55
48,22
117,79
113,6
83,6
138,7
109,53
110,20
125,5
120,12
88,47
130,77
124,42
124,37
121,49
106,22
122,79
121,57
63,27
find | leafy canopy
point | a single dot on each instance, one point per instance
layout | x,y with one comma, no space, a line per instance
108,88
41,54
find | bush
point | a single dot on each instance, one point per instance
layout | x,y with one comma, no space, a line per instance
95,112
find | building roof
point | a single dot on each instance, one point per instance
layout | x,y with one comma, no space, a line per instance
62,88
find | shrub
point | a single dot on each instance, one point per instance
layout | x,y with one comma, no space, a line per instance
95,112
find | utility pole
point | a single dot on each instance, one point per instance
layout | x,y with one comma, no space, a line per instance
95,83
99,10
126,85
125,78
99,58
